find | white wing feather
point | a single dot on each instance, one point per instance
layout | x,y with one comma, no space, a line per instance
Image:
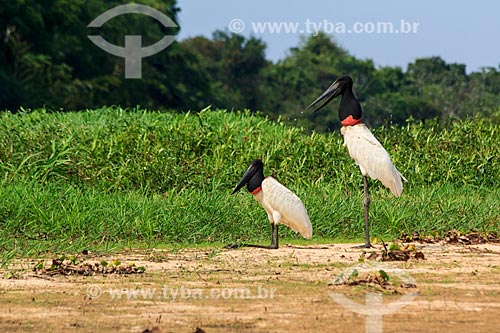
280,202
371,157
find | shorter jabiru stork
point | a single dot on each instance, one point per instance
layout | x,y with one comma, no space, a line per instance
281,204
372,159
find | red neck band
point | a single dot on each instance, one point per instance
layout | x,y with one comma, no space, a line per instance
350,121
257,190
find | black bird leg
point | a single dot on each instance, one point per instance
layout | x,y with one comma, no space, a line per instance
274,236
366,204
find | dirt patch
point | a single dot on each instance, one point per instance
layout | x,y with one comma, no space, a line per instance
453,237
76,265
456,288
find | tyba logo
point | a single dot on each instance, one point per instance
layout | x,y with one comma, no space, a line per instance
133,52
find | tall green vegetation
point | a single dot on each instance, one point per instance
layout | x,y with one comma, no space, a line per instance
115,149
107,176
47,60
111,177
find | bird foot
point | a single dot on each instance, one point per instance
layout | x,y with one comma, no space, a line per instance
363,246
234,246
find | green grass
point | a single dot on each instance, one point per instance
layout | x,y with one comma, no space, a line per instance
111,178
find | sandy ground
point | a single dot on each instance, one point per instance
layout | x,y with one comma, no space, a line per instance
291,289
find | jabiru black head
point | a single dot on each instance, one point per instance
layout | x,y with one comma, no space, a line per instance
253,177
349,109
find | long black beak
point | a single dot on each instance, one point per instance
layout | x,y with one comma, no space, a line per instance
329,94
246,177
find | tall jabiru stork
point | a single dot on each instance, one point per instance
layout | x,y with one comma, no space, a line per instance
363,147
281,204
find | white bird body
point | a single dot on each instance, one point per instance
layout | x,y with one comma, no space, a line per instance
372,159
364,148
280,204
283,206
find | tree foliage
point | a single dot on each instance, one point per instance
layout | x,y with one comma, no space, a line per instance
47,60
235,65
